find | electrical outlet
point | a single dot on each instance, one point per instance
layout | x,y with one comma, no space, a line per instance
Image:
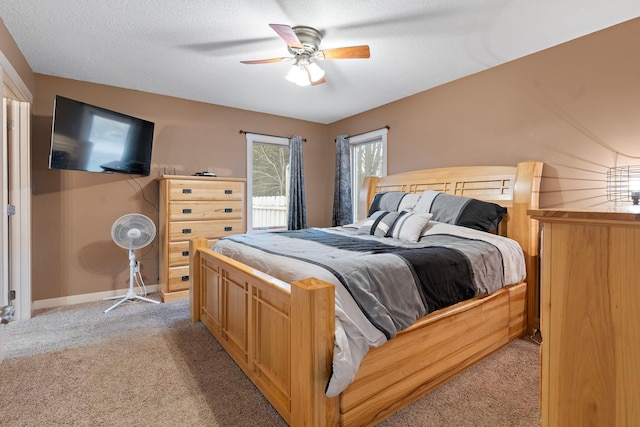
137,267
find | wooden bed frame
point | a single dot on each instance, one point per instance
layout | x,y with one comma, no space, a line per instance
282,334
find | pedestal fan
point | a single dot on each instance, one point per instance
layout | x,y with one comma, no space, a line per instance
132,231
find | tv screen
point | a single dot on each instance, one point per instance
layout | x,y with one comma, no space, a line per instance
89,138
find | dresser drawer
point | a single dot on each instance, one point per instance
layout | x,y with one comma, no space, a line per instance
179,252
202,210
205,190
185,230
178,278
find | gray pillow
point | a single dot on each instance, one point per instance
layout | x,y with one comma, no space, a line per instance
390,201
460,210
379,223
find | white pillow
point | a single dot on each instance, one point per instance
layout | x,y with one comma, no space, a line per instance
356,224
408,202
409,226
425,202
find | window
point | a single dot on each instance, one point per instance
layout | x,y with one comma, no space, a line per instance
267,182
368,157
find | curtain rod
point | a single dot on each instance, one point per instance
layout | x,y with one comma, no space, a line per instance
362,133
265,134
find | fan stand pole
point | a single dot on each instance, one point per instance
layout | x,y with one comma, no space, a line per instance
131,294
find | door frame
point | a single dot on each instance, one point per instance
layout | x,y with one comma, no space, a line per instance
19,191
4,223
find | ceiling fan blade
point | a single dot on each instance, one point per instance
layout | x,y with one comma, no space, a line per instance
225,47
287,34
345,52
319,82
265,61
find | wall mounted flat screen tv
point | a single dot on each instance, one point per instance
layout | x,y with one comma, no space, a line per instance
89,138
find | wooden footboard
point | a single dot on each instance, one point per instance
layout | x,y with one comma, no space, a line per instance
434,350
282,336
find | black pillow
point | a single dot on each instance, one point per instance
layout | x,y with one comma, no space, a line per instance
388,201
463,211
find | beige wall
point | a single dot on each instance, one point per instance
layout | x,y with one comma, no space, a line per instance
73,211
575,106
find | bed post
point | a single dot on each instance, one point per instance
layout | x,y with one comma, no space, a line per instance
367,192
312,341
194,279
526,192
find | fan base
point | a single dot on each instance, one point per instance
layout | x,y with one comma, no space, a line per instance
130,296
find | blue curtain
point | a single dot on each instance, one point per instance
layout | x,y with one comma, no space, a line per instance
342,206
297,206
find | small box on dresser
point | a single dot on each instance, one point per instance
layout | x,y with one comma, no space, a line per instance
194,206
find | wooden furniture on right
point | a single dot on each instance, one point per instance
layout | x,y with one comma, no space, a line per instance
193,206
282,334
590,317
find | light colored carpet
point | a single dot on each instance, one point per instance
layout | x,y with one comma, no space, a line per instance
147,365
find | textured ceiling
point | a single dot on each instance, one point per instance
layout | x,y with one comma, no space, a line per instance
192,48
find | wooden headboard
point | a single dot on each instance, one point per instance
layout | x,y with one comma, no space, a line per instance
517,188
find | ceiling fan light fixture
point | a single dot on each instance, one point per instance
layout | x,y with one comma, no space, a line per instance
305,72
298,75
315,72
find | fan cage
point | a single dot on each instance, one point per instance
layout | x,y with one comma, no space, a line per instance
623,183
126,222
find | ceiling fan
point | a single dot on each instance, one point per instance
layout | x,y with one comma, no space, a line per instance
304,44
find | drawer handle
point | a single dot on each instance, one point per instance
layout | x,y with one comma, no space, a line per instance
186,231
228,228
186,191
184,278
186,211
228,191
185,253
227,210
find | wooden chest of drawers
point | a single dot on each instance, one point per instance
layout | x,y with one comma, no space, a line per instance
193,206
590,318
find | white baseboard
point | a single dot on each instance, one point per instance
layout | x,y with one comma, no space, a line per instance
79,299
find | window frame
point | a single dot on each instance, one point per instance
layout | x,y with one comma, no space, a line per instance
379,135
254,138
